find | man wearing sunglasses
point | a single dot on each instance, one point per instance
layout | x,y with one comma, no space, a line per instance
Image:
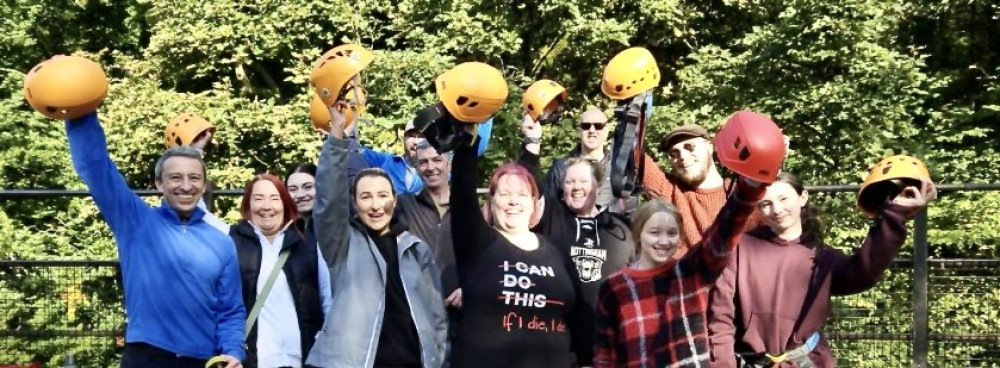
592,130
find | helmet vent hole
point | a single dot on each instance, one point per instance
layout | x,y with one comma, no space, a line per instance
178,142
619,88
744,154
886,169
553,84
633,81
737,143
473,104
51,109
37,68
177,125
461,100
643,79
187,120
531,107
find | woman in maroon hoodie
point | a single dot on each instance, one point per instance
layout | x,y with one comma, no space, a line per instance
773,298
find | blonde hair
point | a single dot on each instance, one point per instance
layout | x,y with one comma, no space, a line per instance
645,212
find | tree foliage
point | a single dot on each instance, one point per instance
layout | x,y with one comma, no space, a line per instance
849,81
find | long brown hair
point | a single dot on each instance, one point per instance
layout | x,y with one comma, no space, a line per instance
812,226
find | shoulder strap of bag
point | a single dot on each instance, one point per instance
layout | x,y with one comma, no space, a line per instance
252,317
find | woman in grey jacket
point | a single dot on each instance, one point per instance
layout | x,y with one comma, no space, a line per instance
387,310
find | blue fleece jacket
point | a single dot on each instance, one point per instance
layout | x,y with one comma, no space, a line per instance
397,167
182,279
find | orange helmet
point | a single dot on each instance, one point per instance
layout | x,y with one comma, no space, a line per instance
750,144
337,68
542,98
630,73
320,113
184,129
472,92
887,179
66,87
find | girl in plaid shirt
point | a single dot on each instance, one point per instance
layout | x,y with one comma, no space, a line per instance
653,313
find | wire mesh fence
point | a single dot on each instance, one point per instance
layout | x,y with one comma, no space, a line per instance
876,328
52,308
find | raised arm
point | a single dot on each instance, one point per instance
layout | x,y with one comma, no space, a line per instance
121,208
866,266
469,229
331,212
655,181
723,236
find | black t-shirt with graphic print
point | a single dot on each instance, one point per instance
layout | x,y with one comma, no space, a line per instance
598,247
519,308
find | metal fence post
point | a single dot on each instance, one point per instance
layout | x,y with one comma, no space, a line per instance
70,362
920,279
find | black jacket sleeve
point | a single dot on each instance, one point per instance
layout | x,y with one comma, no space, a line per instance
469,230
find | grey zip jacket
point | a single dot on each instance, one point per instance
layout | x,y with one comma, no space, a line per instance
351,330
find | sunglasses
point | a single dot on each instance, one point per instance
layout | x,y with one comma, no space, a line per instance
587,126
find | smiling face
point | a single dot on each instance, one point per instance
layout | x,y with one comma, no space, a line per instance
266,209
375,202
781,208
302,188
691,160
658,239
182,183
433,167
593,135
513,204
580,189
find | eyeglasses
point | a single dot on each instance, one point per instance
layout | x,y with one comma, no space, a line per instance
587,126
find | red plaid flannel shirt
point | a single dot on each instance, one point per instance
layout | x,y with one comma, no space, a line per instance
657,317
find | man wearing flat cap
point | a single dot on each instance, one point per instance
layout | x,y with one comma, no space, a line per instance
694,184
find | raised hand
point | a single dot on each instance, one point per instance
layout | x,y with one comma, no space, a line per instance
531,128
202,140
914,199
338,119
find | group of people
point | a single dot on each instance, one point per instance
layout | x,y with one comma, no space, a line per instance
366,259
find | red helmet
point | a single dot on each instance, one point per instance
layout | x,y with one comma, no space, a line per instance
750,144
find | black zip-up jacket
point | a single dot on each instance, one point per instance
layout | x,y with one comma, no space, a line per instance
421,216
301,270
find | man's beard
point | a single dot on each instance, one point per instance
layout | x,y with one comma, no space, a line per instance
695,180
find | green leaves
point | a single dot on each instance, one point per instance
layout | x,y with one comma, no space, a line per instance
849,81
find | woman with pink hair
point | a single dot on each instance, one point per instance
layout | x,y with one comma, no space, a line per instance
522,302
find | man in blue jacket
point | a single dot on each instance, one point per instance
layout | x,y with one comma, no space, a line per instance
182,281
402,169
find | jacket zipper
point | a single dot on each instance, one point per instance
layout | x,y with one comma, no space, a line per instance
416,325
